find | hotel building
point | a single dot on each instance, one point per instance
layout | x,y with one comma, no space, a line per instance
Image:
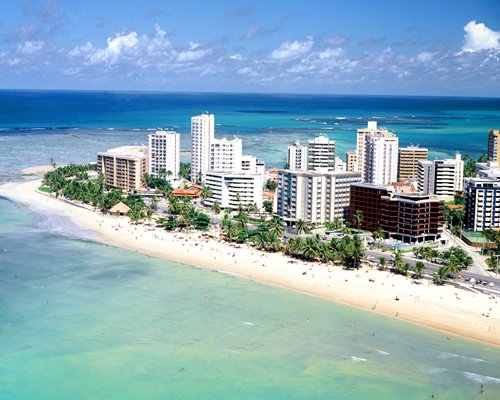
407,217
314,196
351,160
123,167
164,153
380,159
225,155
297,157
482,203
493,138
202,135
362,152
408,162
441,177
321,154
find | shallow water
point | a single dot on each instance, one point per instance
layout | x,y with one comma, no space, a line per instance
81,320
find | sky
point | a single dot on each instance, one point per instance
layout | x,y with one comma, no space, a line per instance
385,47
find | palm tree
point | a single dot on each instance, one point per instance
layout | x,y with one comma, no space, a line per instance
310,248
398,260
242,219
207,192
216,208
302,226
358,218
379,233
405,268
440,276
346,228
418,269
276,226
337,223
382,262
154,203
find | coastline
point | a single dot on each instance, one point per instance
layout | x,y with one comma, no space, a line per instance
446,308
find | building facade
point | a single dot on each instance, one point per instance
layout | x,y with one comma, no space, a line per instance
364,134
381,159
164,153
482,203
123,167
441,177
297,157
408,159
321,154
493,138
314,196
202,135
225,155
351,160
407,217
232,190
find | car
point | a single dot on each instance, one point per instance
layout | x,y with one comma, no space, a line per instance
472,280
485,283
479,281
491,284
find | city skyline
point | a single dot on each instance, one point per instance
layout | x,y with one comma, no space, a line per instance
355,47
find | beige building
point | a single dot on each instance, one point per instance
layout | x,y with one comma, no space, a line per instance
493,138
123,167
351,160
408,162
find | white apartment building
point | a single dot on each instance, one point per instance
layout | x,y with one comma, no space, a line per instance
123,167
202,135
489,169
364,134
297,157
314,196
232,189
482,203
321,154
225,155
340,165
441,177
380,159
164,153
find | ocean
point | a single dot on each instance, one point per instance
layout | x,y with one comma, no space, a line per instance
82,320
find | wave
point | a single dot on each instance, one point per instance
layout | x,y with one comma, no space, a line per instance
248,323
453,355
478,378
358,359
385,353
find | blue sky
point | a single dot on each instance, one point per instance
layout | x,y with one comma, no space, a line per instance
439,47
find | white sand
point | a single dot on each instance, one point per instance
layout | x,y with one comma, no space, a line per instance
38,170
444,308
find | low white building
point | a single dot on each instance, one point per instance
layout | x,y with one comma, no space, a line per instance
225,155
232,189
164,153
314,196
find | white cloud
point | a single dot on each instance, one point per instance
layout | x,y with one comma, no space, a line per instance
289,50
251,32
424,57
236,57
479,37
31,47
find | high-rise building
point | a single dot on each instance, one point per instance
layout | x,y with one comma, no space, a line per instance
202,135
408,162
482,203
314,196
164,153
493,139
380,159
410,217
297,157
225,155
441,177
321,154
362,138
123,167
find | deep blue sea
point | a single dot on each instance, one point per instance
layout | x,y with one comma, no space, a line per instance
82,320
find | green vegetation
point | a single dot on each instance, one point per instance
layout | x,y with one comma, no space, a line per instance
470,164
185,170
44,189
270,185
268,206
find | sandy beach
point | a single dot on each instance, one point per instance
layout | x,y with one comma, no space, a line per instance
449,309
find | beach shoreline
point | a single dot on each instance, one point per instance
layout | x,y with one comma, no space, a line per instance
448,309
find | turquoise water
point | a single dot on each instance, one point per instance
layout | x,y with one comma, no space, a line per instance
81,320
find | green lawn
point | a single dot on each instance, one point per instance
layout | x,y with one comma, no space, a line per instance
44,189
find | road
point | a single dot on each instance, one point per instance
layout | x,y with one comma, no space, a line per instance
431,267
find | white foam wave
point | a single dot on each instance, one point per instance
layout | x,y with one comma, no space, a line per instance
358,359
385,353
453,355
481,378
248,323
